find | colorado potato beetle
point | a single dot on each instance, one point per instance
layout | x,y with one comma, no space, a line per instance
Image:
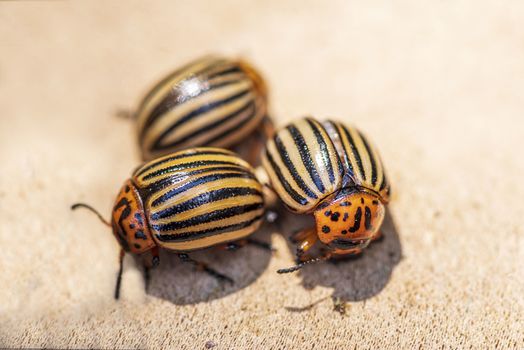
333,172
185,201
212,101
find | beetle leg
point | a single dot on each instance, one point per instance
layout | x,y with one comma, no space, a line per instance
299,235
147,277
306,244
119,276
203,266
155,260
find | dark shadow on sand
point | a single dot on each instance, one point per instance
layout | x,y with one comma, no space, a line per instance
181,283
355,278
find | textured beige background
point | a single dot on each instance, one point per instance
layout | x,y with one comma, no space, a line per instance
438,85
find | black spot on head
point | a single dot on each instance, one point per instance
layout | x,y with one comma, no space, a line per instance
367,222
345,204
362,200
358,217
344,232
327,213
325,229
140,235
346,216
375,202
138,218
127,189
137,246
131,226
335,216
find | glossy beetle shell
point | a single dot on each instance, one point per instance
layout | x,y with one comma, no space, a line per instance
193,199
212,101
308,161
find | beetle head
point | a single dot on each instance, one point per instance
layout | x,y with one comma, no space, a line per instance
347,222
129,221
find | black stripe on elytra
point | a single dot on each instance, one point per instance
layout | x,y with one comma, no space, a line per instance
284,155
205,198
355,153
206,218
154,164
358,217
384,181
323,149
217,122
172,75
371,160
334,127
234,69
175,98
162,183
367,215
198,112
199,181
340,129
185,166
292,193
235,128
305,155
195,235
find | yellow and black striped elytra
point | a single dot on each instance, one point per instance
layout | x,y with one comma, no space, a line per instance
212,101
333,172
185,201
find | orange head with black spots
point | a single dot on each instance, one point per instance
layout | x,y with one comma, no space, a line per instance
347,222
129,221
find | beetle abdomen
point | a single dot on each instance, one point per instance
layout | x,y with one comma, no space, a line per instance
200,197
209,102
303,165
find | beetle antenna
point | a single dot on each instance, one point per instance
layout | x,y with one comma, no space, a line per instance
119,276
93,210
304,263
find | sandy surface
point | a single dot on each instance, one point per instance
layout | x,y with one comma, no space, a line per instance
439,86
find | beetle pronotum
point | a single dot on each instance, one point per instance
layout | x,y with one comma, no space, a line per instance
333,172
185,201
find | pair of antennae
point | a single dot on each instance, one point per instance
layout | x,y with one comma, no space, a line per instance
304,263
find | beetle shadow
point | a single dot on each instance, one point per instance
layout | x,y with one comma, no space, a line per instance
182,283
354,278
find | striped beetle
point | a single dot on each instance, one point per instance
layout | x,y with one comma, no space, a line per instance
185,201
212,101
333,172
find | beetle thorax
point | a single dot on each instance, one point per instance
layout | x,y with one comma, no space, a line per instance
129,221
347,223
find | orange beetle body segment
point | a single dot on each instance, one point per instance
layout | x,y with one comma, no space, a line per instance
349,223
129,221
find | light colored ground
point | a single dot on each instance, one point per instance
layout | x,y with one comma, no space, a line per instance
438,85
